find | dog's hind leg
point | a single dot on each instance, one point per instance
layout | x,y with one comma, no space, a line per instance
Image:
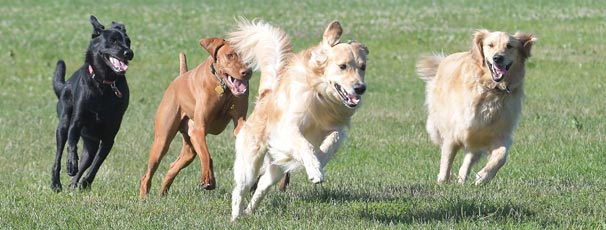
198,139
73,136
166,127
61,137
249,159
91,146
449,150
185,158
496,160
104,148
273,173
468,161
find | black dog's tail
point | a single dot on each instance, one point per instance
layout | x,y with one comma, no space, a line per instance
59,79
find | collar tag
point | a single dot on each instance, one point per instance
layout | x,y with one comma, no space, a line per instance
219,89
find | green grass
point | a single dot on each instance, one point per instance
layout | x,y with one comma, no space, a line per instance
383,177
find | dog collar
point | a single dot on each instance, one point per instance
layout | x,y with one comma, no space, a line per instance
506,90
111,84
222,87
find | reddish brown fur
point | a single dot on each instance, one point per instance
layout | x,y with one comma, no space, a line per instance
192,106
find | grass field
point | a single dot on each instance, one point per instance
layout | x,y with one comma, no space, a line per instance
383,177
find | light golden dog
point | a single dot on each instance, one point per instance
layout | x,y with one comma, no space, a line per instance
474,100
304,107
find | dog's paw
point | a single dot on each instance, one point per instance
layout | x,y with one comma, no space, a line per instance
315,176
56,187
72,167
482,177
85,184
72,186
235,214
207,184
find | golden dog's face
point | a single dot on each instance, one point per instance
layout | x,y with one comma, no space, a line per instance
343,66
228,65
500,51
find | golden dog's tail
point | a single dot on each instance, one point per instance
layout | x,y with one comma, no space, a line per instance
263,46
428,66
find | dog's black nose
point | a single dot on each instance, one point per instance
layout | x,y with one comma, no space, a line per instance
359,88
498,58
128,54
246,72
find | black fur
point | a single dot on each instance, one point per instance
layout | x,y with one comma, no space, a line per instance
91,105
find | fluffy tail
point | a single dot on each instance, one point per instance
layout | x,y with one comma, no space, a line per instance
182,63
59,79
263,46
428,66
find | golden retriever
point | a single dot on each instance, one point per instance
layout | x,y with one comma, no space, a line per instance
303,110
474,100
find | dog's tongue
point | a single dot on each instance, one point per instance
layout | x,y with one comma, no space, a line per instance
240,86
119,65
499,70
355,99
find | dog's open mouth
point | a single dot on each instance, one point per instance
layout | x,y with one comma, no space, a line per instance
116,64
237,87
498,71
348,99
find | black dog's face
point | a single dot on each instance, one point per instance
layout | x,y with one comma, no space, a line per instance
111,45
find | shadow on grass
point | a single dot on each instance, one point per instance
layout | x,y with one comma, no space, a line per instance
412,204
457,210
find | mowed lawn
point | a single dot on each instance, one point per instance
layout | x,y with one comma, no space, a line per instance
384,175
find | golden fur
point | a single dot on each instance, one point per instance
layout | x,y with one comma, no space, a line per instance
474,100
304,106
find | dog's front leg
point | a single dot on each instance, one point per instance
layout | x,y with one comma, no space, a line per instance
496,160
73,136
198,139
449,150
330,145
104,148
307,154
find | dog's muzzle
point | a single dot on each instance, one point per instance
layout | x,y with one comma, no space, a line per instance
497,68
351,100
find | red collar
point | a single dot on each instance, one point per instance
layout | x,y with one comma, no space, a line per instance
112,84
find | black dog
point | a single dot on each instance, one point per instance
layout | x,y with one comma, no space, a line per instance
92,103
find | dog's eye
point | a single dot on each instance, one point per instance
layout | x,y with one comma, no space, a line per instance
342,66
491,45
363,67
230,56
509,46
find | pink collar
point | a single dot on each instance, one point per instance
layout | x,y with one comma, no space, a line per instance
112,84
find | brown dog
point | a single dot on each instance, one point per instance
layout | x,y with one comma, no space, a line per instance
196,103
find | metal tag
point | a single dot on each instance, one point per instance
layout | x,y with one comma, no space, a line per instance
219,89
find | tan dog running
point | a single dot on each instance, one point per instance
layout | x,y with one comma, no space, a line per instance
199,102
304,108
474,100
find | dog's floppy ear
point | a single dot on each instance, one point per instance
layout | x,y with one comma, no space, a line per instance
212,45
119,26
477,50
332,34
330,38
527,40
359,46
97,27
